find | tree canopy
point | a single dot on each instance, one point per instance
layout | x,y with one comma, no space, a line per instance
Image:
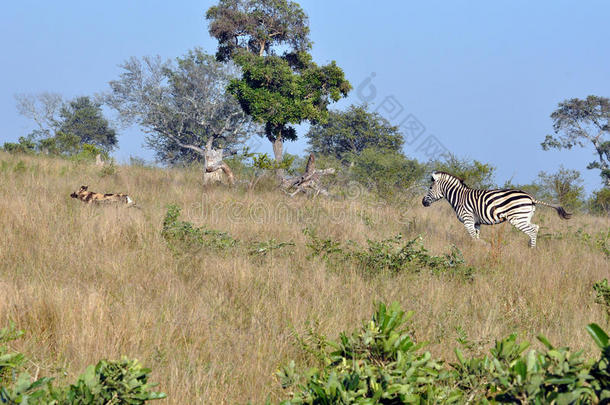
577,122
564,186
275,90
183,105
257,25
65,128
347,133
83,118
474,173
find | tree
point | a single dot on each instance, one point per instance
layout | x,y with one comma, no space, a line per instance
184,107
564,186
474,173
387,172
600,201
83,118
347,133
577,122
65,128
257,26
43,109
275,90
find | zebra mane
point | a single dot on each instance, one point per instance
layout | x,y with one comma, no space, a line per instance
453,177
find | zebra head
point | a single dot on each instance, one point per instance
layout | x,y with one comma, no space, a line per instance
435,192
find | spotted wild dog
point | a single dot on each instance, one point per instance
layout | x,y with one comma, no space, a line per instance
90,197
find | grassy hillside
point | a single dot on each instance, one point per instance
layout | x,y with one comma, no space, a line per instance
90,282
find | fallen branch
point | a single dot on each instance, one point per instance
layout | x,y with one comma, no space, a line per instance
310,180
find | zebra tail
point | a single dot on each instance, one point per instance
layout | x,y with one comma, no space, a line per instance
563,214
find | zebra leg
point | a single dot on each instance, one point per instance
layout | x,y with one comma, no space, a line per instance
477,228
523,224
472,228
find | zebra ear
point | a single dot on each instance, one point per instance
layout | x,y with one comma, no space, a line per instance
435,176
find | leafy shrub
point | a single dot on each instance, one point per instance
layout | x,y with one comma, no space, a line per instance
109,382
602,295
597,241
389,255
182,234
20,167
24,145
88,152
382,364
267,247
120,382
108,170
600,202
386,172
9,361
564,186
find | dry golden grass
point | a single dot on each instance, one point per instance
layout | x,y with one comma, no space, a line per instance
90,282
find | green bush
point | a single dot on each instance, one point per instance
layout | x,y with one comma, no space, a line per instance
62,144
600,202
382,364
389,255
474,173
564,186
183,235
24,145
109,382
599,241
602,296
386,172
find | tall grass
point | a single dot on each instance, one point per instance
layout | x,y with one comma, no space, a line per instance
91,282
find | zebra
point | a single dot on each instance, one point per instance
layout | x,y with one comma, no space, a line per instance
487,207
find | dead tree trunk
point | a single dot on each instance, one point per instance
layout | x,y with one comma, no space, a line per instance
308,181
214,166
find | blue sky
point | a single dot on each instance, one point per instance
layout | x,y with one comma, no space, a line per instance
482,78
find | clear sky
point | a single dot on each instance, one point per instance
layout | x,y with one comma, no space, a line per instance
480,77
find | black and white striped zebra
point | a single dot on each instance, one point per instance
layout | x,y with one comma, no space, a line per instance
487,207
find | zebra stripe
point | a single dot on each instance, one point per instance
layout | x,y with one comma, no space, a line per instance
488,207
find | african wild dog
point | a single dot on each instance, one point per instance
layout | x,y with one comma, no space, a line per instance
90,197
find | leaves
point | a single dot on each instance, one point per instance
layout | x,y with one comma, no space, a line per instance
180,104
347,133
382,364
391,255
577,122
124,381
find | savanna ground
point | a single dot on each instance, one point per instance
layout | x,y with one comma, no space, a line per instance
92,282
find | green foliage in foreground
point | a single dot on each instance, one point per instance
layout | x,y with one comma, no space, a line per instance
389,255
109,382
602,296
382,364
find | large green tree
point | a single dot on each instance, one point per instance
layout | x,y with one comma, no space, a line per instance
347,133
578,122
280,85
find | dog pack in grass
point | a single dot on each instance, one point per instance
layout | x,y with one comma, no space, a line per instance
91,197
